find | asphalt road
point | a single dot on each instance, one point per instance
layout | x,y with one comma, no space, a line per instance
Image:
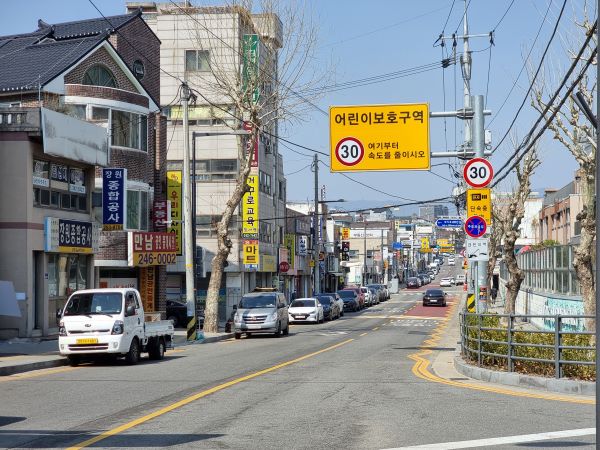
344,384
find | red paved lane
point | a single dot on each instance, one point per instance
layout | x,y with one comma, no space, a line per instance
432,311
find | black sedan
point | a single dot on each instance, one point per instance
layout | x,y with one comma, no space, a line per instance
177,313
434,297
413,282
331,310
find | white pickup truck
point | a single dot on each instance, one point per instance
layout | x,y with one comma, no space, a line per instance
110,321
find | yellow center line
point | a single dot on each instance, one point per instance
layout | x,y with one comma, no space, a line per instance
363,334
198,396
421,370
376,328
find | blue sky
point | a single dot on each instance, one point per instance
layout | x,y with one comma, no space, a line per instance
363,39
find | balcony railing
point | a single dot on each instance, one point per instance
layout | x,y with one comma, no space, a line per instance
20,119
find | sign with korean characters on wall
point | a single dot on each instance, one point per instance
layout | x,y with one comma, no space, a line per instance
289,240
479,203
379,137
114,198
345,233
250,253
151,248
70,236
174,192
250,209
148,287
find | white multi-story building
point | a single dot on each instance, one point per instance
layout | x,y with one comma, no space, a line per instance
202,45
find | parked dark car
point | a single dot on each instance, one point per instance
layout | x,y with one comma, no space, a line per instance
350,298
331,310
177,312
360,295
413,282
434,297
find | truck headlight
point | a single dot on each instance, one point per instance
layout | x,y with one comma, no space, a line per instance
62,331
273,317
117,327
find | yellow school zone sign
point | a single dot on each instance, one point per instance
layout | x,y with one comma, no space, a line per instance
379,137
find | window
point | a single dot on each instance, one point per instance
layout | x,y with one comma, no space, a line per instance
137,210
59,186
216,169
98,75
264,232
264,182
99,116
197,61
129,130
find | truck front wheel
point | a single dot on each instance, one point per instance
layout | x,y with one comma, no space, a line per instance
157,350
74,360
133,355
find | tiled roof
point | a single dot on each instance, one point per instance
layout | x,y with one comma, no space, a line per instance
31,60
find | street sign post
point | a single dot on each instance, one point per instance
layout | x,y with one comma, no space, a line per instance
397,245
477,249
475,226
479,203
478,172
448,223
379,137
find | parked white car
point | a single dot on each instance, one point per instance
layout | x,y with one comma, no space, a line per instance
460,279
307,309
447,281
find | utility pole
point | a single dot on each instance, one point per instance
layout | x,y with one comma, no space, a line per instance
188,240
382,264
364,281
465,63
481,273
316,248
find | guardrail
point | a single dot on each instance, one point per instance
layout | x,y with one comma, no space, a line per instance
492,340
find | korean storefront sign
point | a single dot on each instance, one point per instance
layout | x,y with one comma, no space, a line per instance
302,245
250,253
289,240
114,198
77,181
250,78
41,173
148,287
268,263
250,209
70,236
151,248
251,146
345,233
161,214
174,192
379,137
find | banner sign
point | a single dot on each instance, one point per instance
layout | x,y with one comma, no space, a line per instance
250,252
161,214
70,236
289,240
174,191
251,146
114,199
147,248
302,245
147,287
267,263
250,51
345,233
250,209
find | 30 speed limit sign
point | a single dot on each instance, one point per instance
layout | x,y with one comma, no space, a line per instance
349,151
478,172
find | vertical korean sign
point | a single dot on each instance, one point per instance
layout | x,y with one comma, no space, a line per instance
114,200
289,240
250,222
174,178
250,49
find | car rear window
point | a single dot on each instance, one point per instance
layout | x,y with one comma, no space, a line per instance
347,293
434,292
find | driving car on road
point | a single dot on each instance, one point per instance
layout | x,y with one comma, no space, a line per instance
307,309
331,310
460,279
434,297
261,312
350,299
446,282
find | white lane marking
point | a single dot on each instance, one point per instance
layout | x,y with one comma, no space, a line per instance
506,440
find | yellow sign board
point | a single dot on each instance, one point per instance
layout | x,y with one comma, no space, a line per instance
267,263
379,137
251,256
250,209
424,243
479,203
174,191
443,243
345,233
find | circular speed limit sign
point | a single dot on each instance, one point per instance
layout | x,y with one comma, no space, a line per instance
349,151
478,172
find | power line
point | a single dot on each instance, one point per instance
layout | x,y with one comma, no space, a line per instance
503,16
297,171
539,68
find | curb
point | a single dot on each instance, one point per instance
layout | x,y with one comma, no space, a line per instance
562,386
206,340
27,367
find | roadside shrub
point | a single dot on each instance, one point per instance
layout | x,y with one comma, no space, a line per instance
494,335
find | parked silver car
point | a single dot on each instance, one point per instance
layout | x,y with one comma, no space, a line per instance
265,311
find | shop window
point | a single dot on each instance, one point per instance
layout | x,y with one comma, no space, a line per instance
59,186
66,274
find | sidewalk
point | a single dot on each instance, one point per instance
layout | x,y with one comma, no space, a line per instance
447,363
24,355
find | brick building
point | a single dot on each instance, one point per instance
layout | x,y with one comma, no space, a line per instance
77,97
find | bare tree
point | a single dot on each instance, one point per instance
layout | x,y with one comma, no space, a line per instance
256,84
508,219
571,128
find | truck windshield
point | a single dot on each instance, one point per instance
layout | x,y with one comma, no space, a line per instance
258,301
94,303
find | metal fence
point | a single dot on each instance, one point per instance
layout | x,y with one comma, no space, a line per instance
491,339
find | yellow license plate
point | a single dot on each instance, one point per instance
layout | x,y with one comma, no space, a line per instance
87,341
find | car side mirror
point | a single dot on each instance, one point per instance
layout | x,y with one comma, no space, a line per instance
58,314
130,311
235,307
